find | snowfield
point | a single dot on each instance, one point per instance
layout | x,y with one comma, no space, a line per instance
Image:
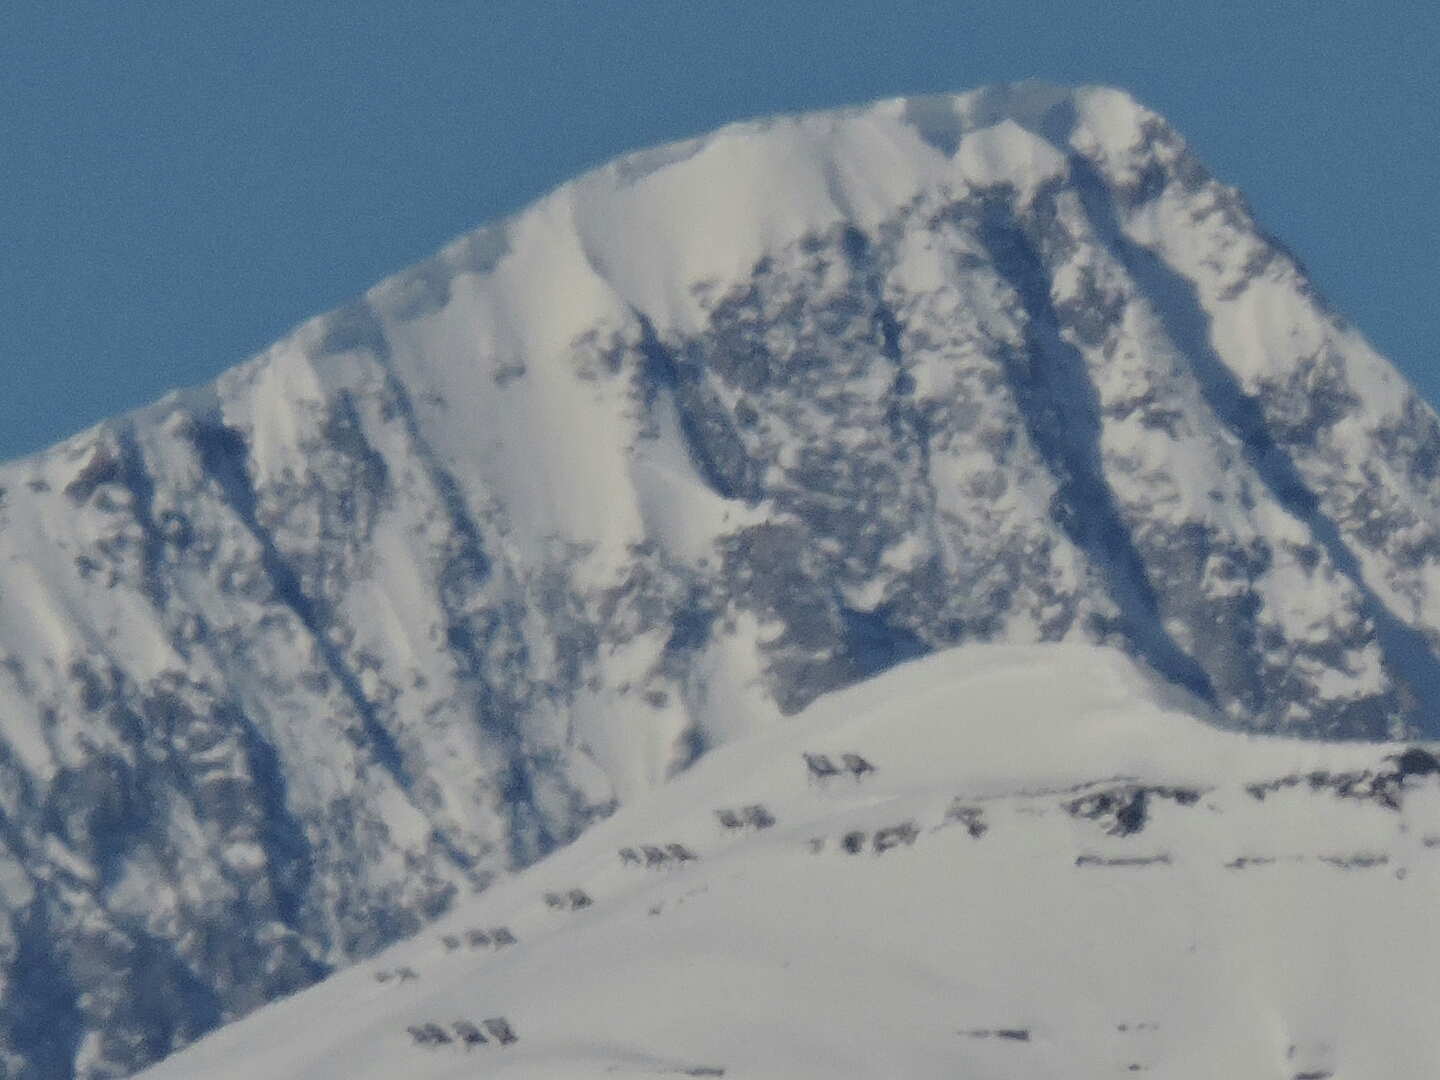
1029,862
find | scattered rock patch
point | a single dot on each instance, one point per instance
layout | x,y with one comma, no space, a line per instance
1124,808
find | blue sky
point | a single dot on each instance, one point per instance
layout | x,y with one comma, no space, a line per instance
180,183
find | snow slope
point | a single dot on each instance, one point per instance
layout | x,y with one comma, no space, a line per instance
293,663
1246,920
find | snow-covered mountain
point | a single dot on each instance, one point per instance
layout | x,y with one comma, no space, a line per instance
1030,865
290,663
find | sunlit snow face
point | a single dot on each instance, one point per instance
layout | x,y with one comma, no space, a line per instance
1029,861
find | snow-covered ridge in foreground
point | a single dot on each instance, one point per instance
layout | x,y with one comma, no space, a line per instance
1035,864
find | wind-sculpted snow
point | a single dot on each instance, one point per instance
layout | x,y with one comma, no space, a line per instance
291,663
998,861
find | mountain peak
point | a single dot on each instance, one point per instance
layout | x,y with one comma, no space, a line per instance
419,593
656,223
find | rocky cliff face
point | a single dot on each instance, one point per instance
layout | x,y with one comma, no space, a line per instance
289,662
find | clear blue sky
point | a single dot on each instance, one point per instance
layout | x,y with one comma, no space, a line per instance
182,182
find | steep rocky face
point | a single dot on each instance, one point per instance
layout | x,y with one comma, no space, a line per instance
289,662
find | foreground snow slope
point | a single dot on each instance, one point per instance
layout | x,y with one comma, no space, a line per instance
1060,871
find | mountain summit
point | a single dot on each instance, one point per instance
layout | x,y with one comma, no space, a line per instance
398,606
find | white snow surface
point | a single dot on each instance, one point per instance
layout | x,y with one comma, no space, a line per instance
1284,931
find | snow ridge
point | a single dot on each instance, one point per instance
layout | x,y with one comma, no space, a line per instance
1012,861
